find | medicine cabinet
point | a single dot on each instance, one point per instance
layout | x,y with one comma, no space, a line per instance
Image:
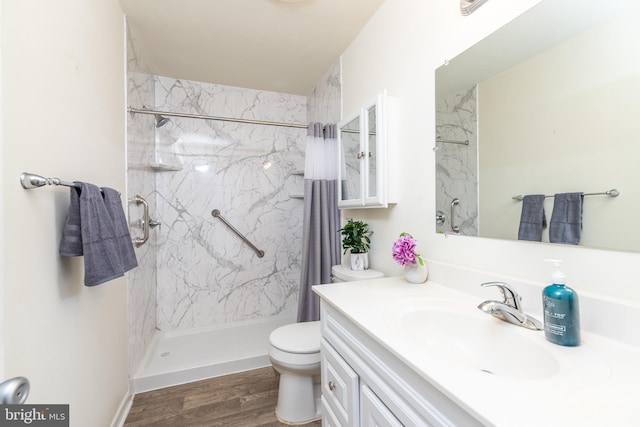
362,141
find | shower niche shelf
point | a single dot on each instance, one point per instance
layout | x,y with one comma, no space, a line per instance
296,196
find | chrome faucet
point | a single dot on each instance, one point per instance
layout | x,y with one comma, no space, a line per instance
510,309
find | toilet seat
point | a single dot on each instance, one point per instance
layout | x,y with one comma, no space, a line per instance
294,361
297,338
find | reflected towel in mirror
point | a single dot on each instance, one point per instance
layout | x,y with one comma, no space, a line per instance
532,218
566,219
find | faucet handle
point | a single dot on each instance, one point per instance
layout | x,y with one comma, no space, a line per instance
509,296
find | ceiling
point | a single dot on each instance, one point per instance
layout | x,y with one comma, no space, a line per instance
275,45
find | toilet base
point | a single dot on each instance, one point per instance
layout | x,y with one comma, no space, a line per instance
298,398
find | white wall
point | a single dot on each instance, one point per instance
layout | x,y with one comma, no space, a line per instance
399,50
63,115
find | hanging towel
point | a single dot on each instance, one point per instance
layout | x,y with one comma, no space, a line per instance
532,219
116,213
102,259
566,219
467,7
71,242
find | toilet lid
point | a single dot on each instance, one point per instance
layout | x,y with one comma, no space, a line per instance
301,337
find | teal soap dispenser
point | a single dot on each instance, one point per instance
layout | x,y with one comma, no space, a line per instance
561,310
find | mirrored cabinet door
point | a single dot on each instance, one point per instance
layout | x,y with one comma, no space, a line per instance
350,171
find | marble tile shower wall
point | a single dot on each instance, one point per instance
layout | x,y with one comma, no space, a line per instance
206,275
457,165
324,102
141,281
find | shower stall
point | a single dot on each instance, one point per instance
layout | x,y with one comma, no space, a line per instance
202,302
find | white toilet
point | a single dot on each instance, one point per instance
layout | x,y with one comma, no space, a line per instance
294,351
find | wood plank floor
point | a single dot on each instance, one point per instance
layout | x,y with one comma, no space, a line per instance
246,399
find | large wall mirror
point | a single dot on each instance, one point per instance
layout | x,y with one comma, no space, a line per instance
549,103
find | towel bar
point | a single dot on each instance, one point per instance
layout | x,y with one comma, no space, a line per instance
32,180
611,193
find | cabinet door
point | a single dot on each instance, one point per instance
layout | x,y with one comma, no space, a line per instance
375,155
372,154
363,157
374,413
340,386
351,180
328,417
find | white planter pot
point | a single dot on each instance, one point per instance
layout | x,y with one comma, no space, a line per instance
360,262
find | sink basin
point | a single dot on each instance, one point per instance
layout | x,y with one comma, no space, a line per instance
479,342
455,336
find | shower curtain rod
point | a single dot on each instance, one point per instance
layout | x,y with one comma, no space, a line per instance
223,119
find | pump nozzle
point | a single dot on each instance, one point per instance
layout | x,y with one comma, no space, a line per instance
557,276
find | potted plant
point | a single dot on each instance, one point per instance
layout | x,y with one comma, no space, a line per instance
355,240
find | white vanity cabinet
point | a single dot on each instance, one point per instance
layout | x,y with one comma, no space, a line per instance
363,160
364,384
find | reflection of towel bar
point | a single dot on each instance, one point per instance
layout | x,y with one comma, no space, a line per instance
216,213
611,193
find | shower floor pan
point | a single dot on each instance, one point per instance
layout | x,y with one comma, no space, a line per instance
182,356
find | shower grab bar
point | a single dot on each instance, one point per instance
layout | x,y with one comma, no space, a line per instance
455,202
144,222
611,193
216,214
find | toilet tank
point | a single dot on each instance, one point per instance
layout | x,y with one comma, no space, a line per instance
341,273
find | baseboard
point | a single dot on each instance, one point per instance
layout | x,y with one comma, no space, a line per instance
123,410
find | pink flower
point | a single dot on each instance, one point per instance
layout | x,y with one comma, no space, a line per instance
404,252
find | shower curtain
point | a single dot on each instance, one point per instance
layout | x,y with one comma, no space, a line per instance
320,238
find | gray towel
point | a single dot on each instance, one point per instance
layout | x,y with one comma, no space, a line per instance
566,219
114,207
532,219
100,244
71,242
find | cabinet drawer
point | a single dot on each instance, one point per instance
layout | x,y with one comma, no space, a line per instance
340,386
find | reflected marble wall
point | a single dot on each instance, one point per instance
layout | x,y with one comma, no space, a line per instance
457,165
141,281
206,274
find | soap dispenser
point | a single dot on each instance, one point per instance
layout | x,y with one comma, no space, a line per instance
561,310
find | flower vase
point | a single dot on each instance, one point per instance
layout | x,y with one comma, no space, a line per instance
416,273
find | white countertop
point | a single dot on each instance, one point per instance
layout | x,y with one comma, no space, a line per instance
596,385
